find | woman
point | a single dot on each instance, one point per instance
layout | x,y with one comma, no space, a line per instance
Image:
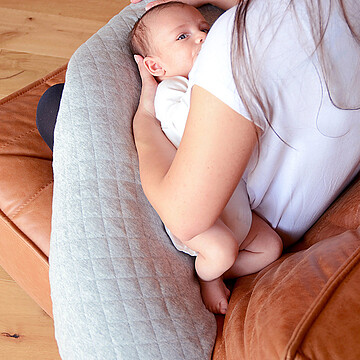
275,100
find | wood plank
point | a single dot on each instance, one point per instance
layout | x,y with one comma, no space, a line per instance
24,68
83,9
42,34
4,276
26,331
38,36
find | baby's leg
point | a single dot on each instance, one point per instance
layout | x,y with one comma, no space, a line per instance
217,251
215,295
261,247
210,266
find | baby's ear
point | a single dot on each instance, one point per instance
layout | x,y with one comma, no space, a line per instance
153,66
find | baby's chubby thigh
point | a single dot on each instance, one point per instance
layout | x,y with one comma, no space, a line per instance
237,215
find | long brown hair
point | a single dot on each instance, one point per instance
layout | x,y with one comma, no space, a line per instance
344,91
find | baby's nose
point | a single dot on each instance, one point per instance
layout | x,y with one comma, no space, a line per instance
201,37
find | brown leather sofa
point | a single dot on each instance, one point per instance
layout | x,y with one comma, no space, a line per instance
26,183
306,305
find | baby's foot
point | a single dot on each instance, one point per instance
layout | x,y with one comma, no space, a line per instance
215,295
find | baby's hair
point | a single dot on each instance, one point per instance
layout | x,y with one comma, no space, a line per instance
139,35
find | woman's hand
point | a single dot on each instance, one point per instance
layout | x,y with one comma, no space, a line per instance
148,88
196,3
222,4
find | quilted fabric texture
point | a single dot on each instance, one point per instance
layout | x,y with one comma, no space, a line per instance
119,288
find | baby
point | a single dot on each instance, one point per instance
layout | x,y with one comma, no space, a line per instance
169,38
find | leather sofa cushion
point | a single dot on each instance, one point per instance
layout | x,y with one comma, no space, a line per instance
306,304
26,191
26,178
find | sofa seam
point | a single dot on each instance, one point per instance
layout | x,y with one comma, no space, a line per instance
34,85
15,139
30,200
304,357
29,243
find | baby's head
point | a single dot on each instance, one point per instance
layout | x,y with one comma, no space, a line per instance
169,37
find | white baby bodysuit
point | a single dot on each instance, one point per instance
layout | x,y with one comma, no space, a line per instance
172,104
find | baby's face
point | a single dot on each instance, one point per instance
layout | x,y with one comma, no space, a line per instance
177,36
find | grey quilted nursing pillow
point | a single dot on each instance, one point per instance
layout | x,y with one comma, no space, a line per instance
119,288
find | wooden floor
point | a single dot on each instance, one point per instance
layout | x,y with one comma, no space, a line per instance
36,37
26,331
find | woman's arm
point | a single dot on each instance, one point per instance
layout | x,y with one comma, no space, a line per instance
190,187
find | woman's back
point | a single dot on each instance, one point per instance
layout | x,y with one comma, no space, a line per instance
309,148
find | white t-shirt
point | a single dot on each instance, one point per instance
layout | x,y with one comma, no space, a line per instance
291,182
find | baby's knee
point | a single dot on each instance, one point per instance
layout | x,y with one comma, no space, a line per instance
222,254
276,245
216,260
229,251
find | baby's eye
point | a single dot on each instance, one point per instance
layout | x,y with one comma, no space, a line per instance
182,37
205,30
